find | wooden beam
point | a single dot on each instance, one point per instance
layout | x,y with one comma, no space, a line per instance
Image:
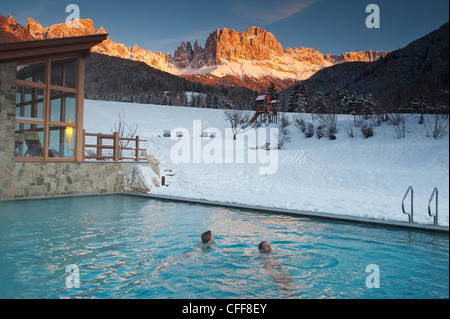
17,51
116,146
79,112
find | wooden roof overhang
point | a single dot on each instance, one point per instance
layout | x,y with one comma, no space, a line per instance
41,49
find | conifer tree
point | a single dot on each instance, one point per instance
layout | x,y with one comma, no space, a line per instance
272,92
298,101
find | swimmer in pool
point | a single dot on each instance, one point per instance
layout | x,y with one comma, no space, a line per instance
281,276
207,237
264,247
207,242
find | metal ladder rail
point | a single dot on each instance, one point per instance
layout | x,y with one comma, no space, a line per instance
411,213
435,216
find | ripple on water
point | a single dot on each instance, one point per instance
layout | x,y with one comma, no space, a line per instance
133,248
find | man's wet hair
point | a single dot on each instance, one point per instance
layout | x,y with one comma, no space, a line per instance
206,236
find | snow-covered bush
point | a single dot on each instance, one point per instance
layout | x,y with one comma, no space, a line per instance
437,127
309,130
300,123
319,131
284,134
350,131
358,120
367,130
398,121
329,121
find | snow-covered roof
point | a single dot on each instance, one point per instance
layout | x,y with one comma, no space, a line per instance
260,97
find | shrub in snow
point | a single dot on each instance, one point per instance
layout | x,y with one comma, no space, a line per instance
420,119
350,132
329,121
367,130
358,120
319,131
284,121
331,136
309,131
398,121
300,123
283,136
437,127
378,120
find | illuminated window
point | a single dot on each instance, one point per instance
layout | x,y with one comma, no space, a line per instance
46,110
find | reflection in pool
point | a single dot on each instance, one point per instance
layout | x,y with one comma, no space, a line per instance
131,247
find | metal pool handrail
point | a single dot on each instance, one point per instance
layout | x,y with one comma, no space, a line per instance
435,216
411,214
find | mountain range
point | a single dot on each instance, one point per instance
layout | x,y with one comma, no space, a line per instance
252,58
417,74
233,66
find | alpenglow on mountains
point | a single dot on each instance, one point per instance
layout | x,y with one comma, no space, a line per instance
252,58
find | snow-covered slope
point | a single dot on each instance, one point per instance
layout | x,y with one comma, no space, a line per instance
349,176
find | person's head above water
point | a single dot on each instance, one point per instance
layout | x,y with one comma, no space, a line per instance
207,237
264,247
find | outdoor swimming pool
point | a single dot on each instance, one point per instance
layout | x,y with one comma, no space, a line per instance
133,247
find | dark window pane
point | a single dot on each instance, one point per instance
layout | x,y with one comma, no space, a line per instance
35,72
64,73
29,103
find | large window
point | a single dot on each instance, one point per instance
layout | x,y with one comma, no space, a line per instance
46,110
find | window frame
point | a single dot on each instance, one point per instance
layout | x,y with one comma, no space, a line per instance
47,87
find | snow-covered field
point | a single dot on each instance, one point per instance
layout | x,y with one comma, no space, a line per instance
348,176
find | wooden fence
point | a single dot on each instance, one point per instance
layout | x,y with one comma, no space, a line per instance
118,147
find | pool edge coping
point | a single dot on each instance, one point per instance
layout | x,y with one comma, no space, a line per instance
265,209
302,213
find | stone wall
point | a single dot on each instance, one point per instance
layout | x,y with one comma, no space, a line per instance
7,120
57,179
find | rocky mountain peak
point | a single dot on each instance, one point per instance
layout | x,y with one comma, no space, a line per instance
35,29
10,20
229,45
11,31
101,30
61,30
227,54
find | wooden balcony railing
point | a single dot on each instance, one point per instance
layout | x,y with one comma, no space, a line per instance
117,148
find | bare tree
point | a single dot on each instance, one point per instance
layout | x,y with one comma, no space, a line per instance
238,120
125,130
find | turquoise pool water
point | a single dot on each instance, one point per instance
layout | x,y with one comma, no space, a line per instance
132,247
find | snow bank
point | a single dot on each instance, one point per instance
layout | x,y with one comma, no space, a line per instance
348,176
147,174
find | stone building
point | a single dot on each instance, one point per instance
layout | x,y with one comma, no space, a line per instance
41,121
